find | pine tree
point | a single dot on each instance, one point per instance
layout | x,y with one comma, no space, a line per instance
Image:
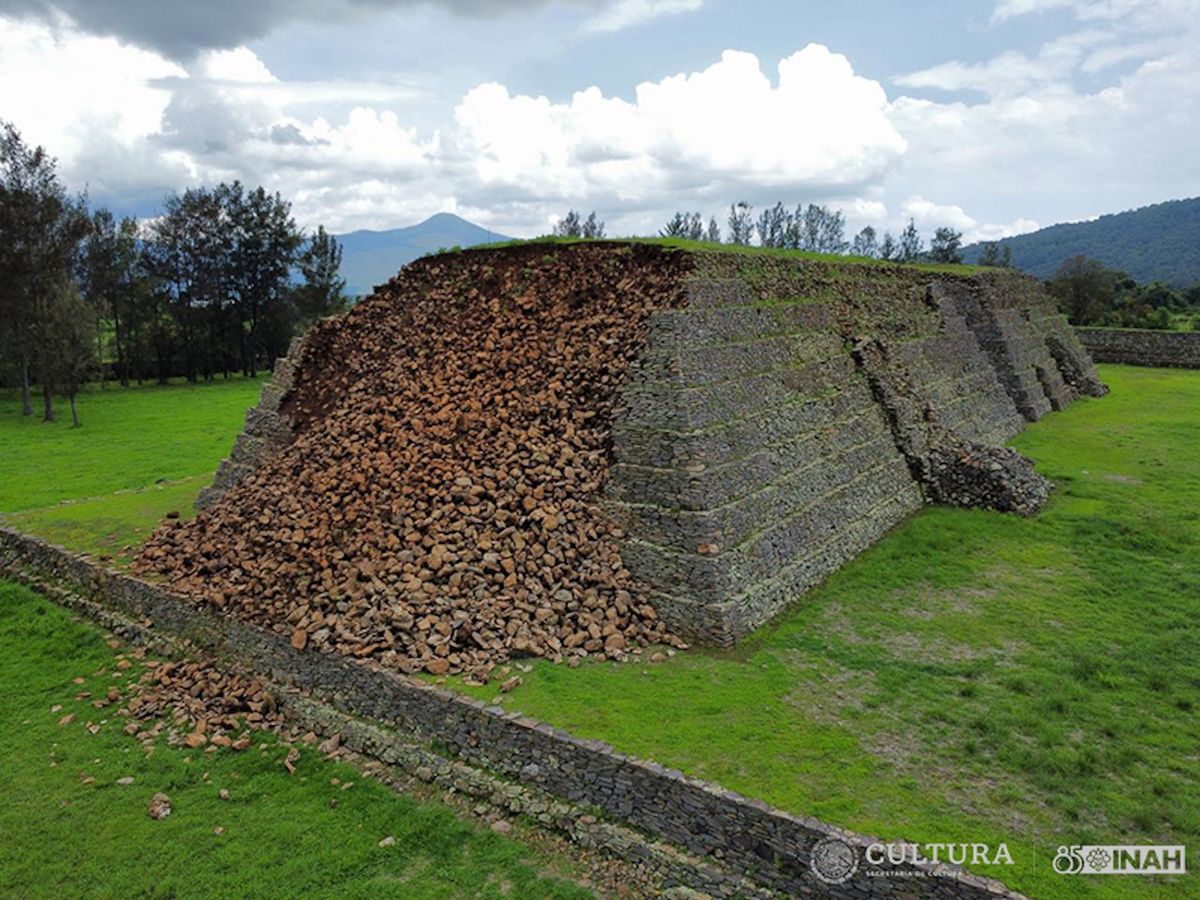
323,291
865,244
911,246
741,225
593,228
946,246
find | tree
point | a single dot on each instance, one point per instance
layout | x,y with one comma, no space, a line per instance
992,255
570,225
262,250
819,230
41,228
322,291
772,226
865,244
185,255
1158,295
741,225
713,234
22,172
592,228
109,278
793,239
1083,288
946,246
808,227
69,341
832,236
911,245
573,225
676,227
684,225
888,249
221,260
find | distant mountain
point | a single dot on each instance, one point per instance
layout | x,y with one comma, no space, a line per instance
1154,243
372,257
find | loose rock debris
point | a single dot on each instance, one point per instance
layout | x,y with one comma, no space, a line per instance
199,706
160,806
436,508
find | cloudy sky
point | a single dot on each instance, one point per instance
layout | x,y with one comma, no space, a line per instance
992,116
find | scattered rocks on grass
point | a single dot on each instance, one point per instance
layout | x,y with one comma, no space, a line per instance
160,806
198,706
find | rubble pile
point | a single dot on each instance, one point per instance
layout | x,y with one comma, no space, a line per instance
436,507
204,705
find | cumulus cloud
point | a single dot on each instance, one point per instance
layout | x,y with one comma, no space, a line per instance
146,125
819,129
65,89
1094,119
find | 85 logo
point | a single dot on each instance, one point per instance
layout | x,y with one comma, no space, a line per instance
1069,860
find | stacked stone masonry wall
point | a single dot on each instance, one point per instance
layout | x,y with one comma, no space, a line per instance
792,412
1168,349
266,429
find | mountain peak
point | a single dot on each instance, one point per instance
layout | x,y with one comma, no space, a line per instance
372,257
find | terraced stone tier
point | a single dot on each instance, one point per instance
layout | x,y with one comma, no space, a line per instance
792,411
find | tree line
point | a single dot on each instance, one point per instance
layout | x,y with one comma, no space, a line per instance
1089,293
219,283
813,228
816,228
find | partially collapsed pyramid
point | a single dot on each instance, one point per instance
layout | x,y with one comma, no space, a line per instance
570,450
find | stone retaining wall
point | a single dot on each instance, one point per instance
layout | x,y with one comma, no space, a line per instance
792,411
1168,349
746,837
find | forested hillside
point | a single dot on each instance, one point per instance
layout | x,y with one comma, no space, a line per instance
1154,243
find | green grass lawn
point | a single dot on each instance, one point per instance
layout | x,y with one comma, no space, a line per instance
142,452
67,837
974,676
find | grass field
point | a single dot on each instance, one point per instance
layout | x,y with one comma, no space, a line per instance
142,452
973,677
67,836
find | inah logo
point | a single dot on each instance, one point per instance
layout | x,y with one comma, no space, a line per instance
1121,859
833,860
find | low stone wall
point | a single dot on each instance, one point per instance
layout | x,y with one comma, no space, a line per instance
747,837
1168,349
